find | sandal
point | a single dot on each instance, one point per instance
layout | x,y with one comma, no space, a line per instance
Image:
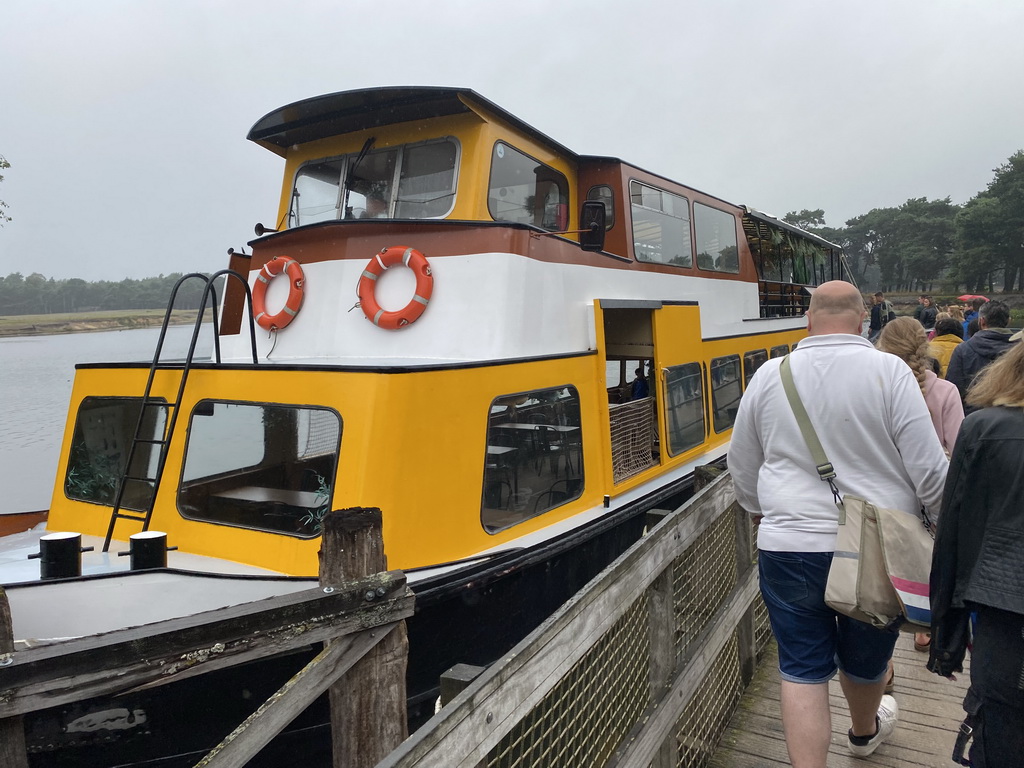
922,644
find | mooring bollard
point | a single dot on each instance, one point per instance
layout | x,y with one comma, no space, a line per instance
147,550
60,555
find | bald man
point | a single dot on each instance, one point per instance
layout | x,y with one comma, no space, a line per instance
871,418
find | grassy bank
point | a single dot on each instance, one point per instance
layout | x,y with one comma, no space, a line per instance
105,320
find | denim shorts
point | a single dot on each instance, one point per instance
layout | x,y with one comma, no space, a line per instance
814,641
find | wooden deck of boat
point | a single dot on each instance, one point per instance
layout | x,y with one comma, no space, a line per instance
930,713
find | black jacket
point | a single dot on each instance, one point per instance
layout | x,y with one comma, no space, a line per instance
974,354
979,546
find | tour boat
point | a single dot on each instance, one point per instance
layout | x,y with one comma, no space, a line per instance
514,351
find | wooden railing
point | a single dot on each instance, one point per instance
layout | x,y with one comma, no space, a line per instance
643,667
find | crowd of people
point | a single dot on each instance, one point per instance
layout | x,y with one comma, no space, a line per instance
940,429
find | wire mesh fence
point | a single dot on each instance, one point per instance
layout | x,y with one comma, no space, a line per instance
632,430
663,644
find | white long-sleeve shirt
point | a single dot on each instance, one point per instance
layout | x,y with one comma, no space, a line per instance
872,421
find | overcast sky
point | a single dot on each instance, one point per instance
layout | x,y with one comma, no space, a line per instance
125,121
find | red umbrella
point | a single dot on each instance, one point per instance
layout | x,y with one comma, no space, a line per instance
970,297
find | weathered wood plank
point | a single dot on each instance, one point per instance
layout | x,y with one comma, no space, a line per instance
463,733
13,753
930,712
242,744
130,659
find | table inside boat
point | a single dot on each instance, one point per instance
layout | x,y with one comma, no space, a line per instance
524,435
261,495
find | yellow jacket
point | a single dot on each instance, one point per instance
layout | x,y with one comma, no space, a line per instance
941,348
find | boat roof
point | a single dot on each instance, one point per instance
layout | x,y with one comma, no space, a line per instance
344,112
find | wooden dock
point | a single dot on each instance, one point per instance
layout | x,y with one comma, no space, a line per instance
930,714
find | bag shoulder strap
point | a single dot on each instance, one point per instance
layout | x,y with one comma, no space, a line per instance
826,472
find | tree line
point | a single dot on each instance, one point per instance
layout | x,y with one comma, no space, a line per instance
935,244
38,295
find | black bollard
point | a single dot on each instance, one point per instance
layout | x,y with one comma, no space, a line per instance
148,550
60,555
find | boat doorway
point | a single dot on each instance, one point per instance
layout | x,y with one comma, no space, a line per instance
632,396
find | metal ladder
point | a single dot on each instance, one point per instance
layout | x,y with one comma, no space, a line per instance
171,410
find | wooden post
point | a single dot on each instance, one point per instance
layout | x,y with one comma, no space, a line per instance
704,475
457,679
745,635
368,705
13,752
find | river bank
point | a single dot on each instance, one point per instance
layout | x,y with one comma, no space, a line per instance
79,322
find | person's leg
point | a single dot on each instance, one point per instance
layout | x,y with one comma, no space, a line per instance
863,699
865,659
806,723
997,680
793,587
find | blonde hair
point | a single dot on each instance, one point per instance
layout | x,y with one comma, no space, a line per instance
1001,382
906,338
957,313
943,316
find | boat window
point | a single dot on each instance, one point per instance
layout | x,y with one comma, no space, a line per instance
604,195
534,459
751,362
661,226
715,231
725,390
426,186
780,351
411,181
268,467
104,431
684,407
526,191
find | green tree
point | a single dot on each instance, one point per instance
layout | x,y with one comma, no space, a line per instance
979,250
1007,187
811,221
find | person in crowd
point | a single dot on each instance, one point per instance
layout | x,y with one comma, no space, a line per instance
972,314
957,313
939,317
906,339
928,313
640,388
948,333
978,564
886,450
972,328
881,313
920,307
991,341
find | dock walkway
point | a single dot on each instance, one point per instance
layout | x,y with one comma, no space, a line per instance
930,714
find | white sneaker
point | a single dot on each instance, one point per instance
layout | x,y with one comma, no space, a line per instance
888,714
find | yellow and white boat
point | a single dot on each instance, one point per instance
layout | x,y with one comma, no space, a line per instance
452,309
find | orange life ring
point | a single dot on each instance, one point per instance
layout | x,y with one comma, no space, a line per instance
270,270
389,257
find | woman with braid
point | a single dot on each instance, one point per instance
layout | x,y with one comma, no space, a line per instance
907,339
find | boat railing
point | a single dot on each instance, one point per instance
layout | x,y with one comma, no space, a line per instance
152,435
633,437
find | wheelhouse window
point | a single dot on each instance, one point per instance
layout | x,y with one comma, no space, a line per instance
104,432
534,456
715,232
725,390
268,467
411,181
661,226
751,362
684,407
526,191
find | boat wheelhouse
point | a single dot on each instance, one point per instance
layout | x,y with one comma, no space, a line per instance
452,310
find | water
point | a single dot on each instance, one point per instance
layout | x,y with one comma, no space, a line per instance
36,374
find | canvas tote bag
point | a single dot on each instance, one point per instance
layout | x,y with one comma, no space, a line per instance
880,568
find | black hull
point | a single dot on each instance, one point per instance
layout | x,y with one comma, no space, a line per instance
471,617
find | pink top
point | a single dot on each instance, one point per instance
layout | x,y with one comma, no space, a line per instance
943,399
